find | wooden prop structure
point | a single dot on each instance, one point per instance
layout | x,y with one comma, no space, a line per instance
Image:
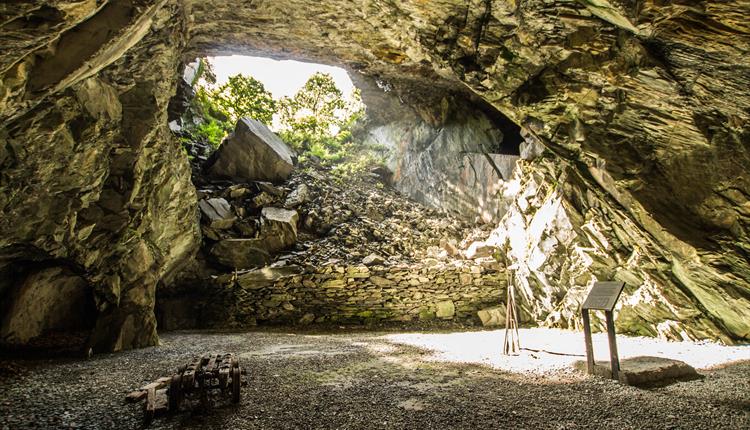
200,378
603,296
511,345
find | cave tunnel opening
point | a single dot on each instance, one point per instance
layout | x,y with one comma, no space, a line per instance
512,138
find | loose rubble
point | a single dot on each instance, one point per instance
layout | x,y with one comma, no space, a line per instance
315,249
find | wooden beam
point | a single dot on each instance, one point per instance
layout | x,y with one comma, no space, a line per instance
589,343
614,359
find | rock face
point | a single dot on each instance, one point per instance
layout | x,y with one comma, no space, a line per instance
642,111
253,153
91,176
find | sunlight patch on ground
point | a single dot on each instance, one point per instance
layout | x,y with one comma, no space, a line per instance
559,349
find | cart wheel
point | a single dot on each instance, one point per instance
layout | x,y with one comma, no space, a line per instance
236,385
175,393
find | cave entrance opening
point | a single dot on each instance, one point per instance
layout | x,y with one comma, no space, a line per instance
338,236
48,307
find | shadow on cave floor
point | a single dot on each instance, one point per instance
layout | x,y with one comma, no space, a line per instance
361,380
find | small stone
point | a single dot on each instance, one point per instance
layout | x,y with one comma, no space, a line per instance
217,212
373,259
299,196
306,319
241,253
492,316
445,309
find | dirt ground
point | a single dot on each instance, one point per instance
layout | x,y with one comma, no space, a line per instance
366,380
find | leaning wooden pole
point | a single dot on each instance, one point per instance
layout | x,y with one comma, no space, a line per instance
512,343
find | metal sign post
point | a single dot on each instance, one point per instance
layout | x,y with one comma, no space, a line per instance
603,296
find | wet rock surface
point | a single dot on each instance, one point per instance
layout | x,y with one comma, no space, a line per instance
357,380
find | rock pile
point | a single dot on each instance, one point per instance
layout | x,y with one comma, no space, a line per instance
314,220
320,249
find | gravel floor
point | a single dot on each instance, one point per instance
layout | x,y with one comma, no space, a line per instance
356,380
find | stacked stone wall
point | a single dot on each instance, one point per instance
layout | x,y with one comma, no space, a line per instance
341,294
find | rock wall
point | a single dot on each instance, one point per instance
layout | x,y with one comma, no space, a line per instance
450,155
561,234
91,178
453,167
337,294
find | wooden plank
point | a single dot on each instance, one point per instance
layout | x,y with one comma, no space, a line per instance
151,401
614,359
210,367
135,396
159,383
589,343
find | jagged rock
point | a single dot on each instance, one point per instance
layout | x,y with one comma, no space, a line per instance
217,212
300,195
372,260
253,153
238,191
50,299
270,189
241,253
492,317
278,228
263,199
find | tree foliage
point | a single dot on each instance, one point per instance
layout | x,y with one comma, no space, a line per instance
314,108
244,96
317,120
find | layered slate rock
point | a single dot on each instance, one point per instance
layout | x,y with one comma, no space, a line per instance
253,153
217,212
241,253
91,176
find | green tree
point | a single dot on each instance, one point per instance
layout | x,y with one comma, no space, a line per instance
315,108
244,96
317,119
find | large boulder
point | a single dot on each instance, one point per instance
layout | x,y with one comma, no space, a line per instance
253,153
